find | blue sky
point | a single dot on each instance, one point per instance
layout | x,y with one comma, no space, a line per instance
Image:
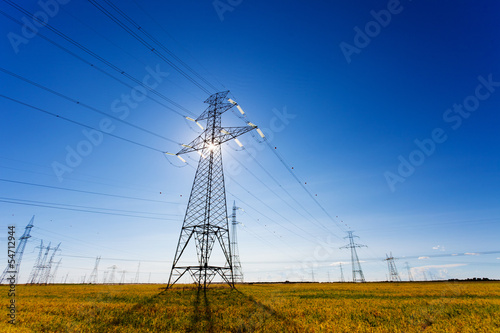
347,123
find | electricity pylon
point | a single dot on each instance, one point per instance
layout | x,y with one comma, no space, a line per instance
36,267
393,271
94,275
53,274
111,277
341,274
18,256
48,267
206,219
136,279
38,272
410,276
357,272
237,270
122,279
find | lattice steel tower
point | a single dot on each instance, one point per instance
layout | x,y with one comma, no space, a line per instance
206,219
410,276
357,272
237,270
19,254
341,273
94,275
393,271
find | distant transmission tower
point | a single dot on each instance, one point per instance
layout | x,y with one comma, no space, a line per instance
206,219
237,270
36,267
357,272
341,274
45,276
94,275
393,271
122,279
410,276
136,279
53,274
111,275
40,266
18,256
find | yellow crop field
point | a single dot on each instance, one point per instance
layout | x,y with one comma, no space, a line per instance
301,307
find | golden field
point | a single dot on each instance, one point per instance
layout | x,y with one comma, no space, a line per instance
301,307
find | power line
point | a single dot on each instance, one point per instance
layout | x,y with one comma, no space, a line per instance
86,192
175,40
85,105
95,208
288,168
287,192
274,210
244,118
86,50
147,45
136,187
81,124
137,26
51,205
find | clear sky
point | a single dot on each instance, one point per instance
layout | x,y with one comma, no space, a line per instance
387,112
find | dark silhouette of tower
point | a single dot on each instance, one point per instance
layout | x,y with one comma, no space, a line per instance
18,256
206,221
357,272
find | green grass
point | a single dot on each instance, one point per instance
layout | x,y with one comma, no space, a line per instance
346,307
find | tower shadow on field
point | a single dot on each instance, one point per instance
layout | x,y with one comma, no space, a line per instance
201,320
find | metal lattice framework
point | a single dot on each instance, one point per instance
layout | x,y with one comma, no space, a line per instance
206,220
410,276
357,272
19,253
393,271
94,275
237,270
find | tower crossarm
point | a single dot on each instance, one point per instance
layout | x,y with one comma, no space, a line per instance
205,141
348,246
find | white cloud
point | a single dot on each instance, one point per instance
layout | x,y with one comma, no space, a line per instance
337,263
433,271
439,266
471,254
455,254
498,258
438,247
421,258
